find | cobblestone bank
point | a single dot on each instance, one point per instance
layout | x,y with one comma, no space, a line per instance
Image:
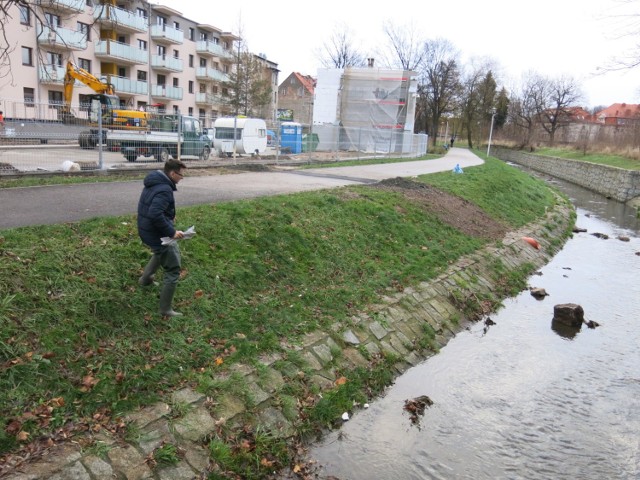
617,183
396,325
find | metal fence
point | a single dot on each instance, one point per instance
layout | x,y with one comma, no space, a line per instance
33,139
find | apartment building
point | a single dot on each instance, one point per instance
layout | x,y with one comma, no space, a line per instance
152,55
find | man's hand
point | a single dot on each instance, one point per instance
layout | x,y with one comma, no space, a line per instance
178,234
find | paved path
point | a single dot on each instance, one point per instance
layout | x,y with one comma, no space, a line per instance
68,203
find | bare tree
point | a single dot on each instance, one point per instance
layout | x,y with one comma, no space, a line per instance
340,51
477,101
561,94
526,103
438,85
406,46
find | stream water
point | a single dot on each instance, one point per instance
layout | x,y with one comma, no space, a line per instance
522,399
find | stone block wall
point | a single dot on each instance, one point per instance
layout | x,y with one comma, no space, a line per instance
617,183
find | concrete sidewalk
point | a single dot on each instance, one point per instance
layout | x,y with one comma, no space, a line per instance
55,204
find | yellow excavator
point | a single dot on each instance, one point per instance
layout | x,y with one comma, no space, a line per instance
113,117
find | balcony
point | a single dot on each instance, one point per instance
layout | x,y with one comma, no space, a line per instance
211,49
62,38
124,85
167,34
166,64
120,52
208,99
71,6
117,19
211,75
164,92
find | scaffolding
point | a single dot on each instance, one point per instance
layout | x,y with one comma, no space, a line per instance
373,107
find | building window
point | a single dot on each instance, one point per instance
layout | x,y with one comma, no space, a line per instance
204,37
142,45
85,63
25,15
192,34
176,82
176,111
27,56
28,94
122,72
191,61
176,25
203,88
55,99
214,90
142,12
161,20
162,51
52,20
142,76
54,59
191,111
162,80
203,62
176,54
190,86
85,29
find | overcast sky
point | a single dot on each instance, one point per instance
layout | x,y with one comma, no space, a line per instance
551,37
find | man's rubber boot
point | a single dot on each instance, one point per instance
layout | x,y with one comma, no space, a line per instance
166,297
149,271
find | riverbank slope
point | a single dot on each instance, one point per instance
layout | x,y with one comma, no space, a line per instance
308,306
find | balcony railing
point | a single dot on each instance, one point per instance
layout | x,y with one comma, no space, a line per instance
164,62
204,47
208,99
165,33
121,51
166,92
62,38
75,6
119,19
211,74
126,85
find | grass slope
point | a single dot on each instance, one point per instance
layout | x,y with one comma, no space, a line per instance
79,336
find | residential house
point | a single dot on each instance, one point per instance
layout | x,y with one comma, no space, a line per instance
296,96
619,114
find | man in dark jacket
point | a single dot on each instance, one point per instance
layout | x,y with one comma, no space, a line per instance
156,218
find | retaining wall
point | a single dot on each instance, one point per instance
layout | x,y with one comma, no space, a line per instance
617,183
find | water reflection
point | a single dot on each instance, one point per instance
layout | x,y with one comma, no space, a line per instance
525,398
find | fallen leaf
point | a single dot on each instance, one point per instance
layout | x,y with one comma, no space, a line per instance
266,463
219,361
341,381
198,294
22,436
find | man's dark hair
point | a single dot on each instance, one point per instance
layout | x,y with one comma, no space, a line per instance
173,165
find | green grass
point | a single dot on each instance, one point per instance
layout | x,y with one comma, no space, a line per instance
78,335
609,160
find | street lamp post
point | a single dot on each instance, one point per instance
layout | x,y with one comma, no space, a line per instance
493,116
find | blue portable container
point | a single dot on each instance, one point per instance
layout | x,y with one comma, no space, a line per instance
291,137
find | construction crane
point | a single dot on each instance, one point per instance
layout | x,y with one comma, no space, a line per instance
112,115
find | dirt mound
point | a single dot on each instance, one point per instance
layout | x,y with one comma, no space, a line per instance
455,211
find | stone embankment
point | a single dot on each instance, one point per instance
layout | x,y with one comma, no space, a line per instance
396,326
617,183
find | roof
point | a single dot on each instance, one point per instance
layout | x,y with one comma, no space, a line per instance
307,81
619,110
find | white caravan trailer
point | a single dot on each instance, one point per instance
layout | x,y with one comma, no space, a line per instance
250,136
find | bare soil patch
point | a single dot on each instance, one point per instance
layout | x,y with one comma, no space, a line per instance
455,211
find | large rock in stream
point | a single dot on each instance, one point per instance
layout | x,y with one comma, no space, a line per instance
570,314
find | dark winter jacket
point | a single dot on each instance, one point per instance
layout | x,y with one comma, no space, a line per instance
156,209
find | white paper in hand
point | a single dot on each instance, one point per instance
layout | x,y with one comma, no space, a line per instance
188,233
